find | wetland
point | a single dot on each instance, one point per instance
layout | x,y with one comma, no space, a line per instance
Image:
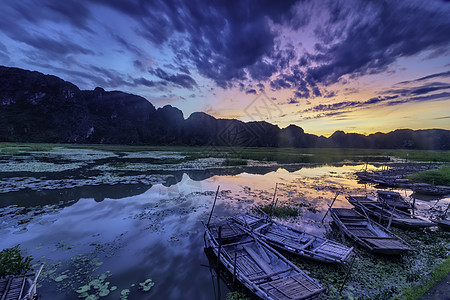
124,222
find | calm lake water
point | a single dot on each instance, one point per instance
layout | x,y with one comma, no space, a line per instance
118,237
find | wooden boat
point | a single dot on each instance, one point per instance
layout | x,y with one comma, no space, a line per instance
259,267
368,233
380,213
428,189
295,241
19,287
443,224
393,199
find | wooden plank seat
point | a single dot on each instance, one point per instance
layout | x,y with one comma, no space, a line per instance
247,265
290,288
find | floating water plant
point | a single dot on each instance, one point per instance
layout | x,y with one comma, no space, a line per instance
279,211
83,289
124,294
147,285
13,262
60,278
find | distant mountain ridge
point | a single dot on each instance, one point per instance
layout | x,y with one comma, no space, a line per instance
43,108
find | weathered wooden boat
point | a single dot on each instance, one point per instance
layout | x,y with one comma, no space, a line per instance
295,241
258,266
443,224
380,213
19,287
428,189
393,199
368,233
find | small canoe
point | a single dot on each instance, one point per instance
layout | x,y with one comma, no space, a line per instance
368,234
393,199
380,213
443,224
428,189
259,267
295,241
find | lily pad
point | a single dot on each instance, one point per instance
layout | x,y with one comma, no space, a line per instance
147,285
125,292
60,278
103,292
83,289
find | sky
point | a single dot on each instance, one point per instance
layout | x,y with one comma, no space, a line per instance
358,66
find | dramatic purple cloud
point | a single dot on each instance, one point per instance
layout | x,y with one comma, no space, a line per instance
300,49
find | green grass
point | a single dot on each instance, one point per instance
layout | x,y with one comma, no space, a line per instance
235,162
280,155
438,273
13,148
422,155
279,211
437,177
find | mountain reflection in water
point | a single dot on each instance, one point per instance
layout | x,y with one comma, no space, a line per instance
126,234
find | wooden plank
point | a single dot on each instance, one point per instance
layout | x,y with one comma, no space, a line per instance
271,274
308,243
293,287
287,235
345,212
387,243
362,232
6,289
352,220
264,265
248,267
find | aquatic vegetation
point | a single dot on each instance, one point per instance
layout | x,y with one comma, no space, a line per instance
437,177
234,162
63,153
170,165
146,285
236,296
96,288
61,278
415,292
124,294
309,206
156,155
382,277
13,262
76,267
37,166
13,148
282,211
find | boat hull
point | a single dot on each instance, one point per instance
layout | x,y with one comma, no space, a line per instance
263,270
368,234
295,241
